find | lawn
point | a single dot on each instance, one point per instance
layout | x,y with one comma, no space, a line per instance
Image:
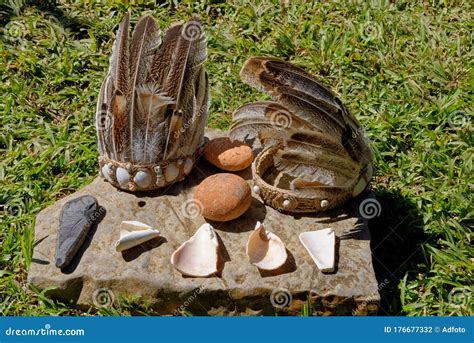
404,68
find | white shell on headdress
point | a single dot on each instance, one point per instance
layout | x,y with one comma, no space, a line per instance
265,249
321,246
142,179
198,256
123,177
133,233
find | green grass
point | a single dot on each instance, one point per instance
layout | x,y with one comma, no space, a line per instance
403,68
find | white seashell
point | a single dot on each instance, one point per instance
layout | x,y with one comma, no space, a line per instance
324,203
256,190
198,256
133,233
106,171
188,165
123,177
265,249
142,179
359,188
171,172
158,171
321,246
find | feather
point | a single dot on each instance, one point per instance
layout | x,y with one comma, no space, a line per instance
248,130
173,86
274,112
150,109
278,72
199,121
306,98
145,38
300,183
292,86
188,56
193,94
264,116
163,58
309,109
107,119
101,109
328,170
120,76
119,60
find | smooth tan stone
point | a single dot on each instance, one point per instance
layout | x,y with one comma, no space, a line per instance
227,155
223,197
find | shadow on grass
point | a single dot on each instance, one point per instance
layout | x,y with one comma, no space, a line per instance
397,239
50,7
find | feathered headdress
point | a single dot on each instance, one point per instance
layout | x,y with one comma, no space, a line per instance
153,105
315,154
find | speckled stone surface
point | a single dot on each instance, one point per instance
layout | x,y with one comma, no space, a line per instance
145,271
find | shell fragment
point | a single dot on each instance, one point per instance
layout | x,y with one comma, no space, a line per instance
265,249
198,256
133,233
321,246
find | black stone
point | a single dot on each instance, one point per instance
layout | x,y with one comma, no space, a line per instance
77,217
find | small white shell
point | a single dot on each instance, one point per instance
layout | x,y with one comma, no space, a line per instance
321,246
123,177
359,188
158,171
142,179
188,165
133,233
324,203
265,249
106,171
171,172
198,256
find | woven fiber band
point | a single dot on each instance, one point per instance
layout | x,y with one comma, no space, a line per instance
131,177
321,198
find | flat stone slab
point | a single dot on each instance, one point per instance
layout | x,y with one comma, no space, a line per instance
99,273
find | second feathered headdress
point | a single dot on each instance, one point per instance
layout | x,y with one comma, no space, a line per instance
153,105
315,154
